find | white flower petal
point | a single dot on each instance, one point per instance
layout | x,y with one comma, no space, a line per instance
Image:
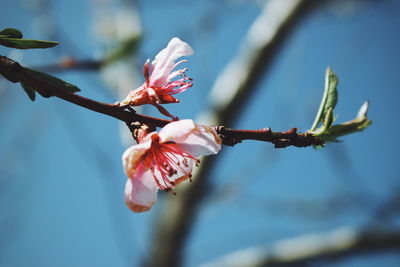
176,130
131,156
141,192
204,141
165,61
197,140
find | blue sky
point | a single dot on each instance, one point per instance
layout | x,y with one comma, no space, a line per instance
61,179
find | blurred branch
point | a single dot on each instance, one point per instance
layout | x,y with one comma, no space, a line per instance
307,249
388,210
123,50
229,94
265,37
71,63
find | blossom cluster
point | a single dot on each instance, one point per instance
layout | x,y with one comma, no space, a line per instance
164,159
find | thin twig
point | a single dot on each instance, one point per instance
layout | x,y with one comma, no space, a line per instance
14,72
279,139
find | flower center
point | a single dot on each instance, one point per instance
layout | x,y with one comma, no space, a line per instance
169,163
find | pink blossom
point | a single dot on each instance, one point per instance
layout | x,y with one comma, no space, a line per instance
165,159
159,85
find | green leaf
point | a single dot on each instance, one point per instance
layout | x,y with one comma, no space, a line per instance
329,99
329,119
327,123
358,124
29,91
124,49
11,37
25,43
11,33
55,81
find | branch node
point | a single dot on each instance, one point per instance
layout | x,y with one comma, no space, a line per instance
139,130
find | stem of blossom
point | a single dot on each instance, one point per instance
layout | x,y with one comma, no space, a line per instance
14,72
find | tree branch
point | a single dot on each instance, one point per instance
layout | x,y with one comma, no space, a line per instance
307,249
14,72
279,139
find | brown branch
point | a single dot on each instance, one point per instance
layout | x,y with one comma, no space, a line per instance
14,72
279,139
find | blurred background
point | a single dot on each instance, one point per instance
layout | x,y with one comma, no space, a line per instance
256,64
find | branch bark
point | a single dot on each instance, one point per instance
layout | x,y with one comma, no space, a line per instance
279,139
14,72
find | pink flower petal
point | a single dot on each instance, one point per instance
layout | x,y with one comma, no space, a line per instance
165,61
159,75
176,130
131,157
165,159
202,142
197,140
141,192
